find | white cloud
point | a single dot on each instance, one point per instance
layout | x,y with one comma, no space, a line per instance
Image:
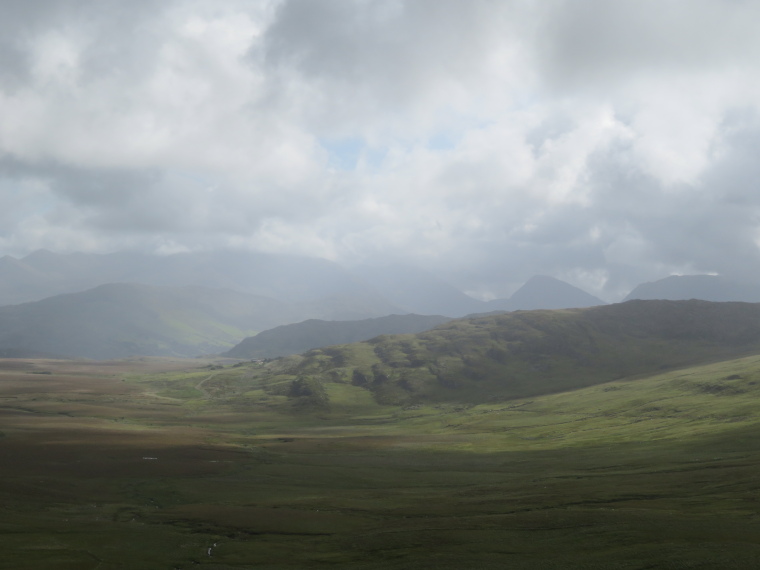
606,142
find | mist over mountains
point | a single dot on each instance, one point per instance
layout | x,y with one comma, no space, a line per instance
418,291
334,291
285,277
705,287
121,320
543,292
186,304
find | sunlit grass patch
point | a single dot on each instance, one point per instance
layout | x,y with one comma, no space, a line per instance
352,400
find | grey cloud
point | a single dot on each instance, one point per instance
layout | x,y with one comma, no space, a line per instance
591,42
553,113
117,37
106,200
370,60
14,65
632,229
551,127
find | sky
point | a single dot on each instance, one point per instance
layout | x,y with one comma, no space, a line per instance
602,143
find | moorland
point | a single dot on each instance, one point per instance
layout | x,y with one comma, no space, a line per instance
613,437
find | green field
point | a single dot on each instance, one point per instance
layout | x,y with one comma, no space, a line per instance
174,464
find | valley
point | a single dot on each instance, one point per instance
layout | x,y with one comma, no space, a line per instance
170,463
371,285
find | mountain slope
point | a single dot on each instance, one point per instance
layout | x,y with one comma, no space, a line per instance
20,282
536,352
323,288
418,291
300,337
544,292
704,287
119,320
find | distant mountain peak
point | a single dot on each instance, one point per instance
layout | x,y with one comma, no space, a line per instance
546,278
418,291
545,292
9,260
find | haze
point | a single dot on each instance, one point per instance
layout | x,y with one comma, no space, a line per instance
601,143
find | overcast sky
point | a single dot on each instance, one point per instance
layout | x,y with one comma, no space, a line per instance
603,143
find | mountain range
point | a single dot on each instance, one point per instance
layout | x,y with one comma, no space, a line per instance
186,304
126,304
336,292
290,279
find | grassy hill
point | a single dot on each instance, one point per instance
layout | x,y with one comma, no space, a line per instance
497,357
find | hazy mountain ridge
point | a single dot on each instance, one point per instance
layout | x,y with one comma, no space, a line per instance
291,279
705,287
225,306
534,352
313,333
418,291
327,289
544,292
119,320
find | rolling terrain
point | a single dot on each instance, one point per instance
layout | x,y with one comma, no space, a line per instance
141,464
526,353
632,445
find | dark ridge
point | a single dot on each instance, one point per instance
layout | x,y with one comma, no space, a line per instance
313,333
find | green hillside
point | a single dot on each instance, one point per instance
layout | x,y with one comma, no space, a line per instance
497,357
298,463
689,403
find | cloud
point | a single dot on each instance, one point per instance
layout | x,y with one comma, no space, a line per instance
601,142
387,68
